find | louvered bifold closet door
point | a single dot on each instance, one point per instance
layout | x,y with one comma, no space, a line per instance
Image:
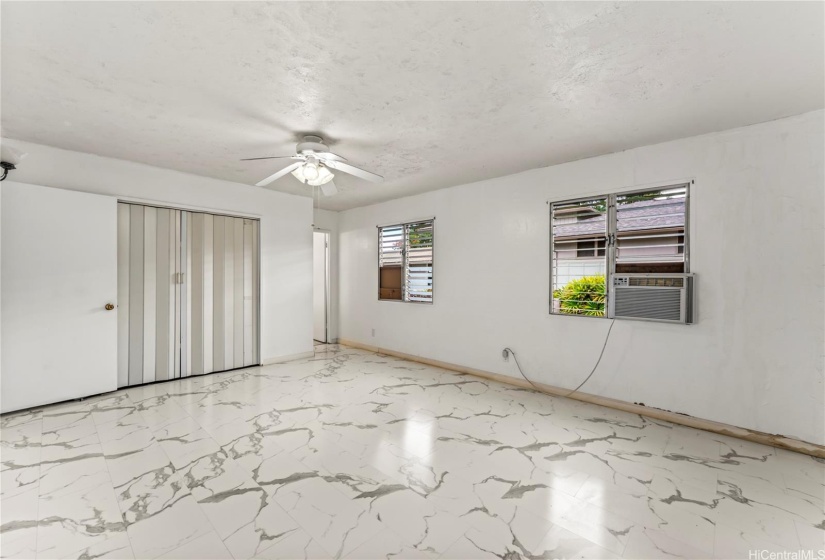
148,293
187,293
221,281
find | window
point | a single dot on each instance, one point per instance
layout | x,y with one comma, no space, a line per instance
590,248
405,262
637,232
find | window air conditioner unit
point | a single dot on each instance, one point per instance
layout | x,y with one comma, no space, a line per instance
653,297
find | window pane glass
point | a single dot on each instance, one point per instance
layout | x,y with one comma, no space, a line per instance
651,231
579,262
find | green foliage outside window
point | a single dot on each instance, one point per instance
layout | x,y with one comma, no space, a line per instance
583,296
421,235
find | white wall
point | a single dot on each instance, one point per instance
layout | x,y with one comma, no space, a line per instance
286,232
755,358
328,221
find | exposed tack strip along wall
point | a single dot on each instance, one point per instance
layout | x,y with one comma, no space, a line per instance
775,440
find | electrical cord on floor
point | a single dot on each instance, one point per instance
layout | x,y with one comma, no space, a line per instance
586,379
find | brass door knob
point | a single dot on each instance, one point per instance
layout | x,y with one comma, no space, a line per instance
109,306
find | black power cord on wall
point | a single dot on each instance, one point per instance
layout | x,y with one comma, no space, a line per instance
509,351
6,168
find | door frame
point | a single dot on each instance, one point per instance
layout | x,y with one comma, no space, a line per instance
327,304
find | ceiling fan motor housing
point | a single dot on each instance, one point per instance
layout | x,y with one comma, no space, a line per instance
312,144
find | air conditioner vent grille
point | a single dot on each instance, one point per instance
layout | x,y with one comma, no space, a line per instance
646,303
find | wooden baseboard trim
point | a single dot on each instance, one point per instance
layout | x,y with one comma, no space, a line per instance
773,440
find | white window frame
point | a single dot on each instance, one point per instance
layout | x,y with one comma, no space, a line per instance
610,236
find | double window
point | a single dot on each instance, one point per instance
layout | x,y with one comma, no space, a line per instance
593,238
405,262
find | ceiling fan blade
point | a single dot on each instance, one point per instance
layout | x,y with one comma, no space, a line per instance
329,189
352,170
330,156
271,157
279,174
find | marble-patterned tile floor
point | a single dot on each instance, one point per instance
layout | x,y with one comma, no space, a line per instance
356,455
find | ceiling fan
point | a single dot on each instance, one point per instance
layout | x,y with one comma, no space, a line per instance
314,164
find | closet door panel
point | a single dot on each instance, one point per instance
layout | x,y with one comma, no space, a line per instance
256,292
238,295
218,307
165,294
150,230
123,257
196,288
229,294
136,295
247,293
147,238
178,291
186,292
208,289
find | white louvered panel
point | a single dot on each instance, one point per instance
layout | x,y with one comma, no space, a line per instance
391,246
418,273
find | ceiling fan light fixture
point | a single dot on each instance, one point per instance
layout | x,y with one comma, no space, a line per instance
314,161
313,174
310,171
324,177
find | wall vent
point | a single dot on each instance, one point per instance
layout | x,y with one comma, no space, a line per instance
653,297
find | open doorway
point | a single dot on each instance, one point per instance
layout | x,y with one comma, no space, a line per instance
320,286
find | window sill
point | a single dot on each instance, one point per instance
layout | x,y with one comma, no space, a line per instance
402,301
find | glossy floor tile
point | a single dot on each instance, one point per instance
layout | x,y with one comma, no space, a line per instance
356,455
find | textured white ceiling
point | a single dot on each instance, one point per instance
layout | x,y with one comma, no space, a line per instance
427,94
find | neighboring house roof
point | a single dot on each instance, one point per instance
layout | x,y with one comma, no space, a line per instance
634,216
